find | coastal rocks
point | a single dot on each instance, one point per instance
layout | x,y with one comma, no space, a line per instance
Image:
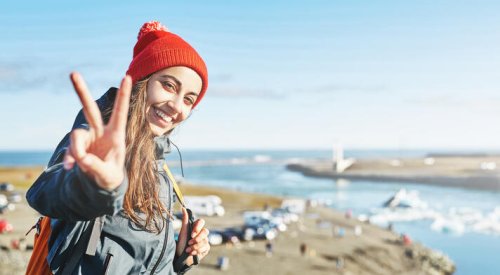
430,261
454,221
405,199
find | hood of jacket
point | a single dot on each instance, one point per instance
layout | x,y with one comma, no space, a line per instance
162,143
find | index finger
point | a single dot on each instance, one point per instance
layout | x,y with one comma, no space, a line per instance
90,108
118,120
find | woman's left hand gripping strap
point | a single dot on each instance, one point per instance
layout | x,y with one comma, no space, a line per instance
179,263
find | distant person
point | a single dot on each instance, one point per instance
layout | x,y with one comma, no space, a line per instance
340,263
223,263
390,227
339,232
111,165
269,249
406,239
303,249
348,214
358,230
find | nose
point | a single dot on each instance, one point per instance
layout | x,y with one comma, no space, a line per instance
175,104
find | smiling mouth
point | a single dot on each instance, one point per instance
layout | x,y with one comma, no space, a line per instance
162,115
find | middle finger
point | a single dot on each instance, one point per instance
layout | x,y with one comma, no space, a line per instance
90,108
202,235
198,246
119,115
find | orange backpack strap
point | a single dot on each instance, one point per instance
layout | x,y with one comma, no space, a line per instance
38,264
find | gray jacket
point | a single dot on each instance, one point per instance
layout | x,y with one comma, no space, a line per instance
72,201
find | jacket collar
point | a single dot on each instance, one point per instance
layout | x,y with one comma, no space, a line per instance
162,144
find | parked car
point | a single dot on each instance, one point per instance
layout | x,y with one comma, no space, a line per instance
263,231
215,238
256,218
14,197
6,187
231,235
285,214
235,234
3,200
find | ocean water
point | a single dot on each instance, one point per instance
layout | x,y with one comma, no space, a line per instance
474,252
24,158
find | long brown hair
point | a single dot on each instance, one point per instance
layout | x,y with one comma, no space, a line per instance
142,203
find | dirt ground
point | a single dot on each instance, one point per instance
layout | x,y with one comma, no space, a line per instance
375,251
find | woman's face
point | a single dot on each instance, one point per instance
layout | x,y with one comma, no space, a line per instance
170,95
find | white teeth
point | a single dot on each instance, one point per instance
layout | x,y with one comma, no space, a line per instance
163,115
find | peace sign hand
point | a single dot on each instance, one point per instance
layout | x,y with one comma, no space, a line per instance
100,150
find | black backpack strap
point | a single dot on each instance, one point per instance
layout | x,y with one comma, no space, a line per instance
179,262
90,238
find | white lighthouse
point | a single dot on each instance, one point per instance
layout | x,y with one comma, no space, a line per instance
339,163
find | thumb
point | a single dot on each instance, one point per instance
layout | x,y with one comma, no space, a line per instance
96,168
183,233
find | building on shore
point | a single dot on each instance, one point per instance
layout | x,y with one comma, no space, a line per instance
339,163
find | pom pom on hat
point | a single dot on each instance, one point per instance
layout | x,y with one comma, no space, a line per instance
150,27
157,48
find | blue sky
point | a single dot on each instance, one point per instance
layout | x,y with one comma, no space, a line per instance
283,75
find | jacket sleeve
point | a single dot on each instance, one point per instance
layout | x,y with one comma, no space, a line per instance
70,194
179,266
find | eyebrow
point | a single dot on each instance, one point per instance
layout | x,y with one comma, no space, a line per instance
178,83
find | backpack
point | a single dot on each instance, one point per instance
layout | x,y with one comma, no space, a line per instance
40,248
38,264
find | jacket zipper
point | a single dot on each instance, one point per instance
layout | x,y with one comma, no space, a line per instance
109,257
166,231
36,226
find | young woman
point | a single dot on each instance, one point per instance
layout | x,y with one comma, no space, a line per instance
107,173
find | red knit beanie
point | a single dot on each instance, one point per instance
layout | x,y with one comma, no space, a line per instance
157,49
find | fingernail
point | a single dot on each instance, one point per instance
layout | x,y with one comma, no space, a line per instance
188,249
190,242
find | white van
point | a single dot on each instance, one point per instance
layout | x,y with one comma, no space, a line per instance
205,205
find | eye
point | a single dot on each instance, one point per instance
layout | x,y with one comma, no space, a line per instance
168,85
189,100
